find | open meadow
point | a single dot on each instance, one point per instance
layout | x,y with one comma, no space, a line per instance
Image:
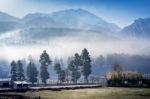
95,93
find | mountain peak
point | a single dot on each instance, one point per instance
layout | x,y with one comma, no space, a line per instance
79,10
140,20
74,10
6,17
139,28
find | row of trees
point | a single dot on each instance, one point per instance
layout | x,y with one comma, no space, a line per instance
104,63
17,71
77,66
59,71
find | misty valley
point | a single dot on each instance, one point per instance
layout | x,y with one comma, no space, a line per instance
107,43
73,49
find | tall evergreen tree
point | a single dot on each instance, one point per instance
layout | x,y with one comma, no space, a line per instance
62,76
45,62
77,63
32,72
74,67
20,71
57,68
71,67
13,71
86,64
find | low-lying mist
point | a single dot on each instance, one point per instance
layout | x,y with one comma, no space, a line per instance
133,54
65,46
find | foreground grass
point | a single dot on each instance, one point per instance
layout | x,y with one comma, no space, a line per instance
97,93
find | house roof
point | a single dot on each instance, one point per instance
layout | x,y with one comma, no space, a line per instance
20,82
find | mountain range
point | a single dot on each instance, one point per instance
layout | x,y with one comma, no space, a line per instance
71,22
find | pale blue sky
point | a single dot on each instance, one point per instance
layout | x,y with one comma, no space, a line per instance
120,12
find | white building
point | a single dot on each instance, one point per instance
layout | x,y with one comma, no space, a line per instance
20,85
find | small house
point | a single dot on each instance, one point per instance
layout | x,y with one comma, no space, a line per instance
5,82
20,85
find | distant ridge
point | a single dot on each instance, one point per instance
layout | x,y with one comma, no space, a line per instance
139,28
69,22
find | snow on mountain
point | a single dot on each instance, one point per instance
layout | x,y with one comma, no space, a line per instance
83,19
6,17
76,19
8,23
72,22
140,28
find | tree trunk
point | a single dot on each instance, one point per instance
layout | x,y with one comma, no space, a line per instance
58,78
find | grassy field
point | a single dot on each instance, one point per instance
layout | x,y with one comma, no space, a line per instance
97,93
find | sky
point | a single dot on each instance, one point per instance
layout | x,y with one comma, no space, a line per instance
120,12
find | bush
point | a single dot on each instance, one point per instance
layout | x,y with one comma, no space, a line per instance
126,78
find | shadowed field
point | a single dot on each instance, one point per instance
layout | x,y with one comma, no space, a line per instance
95,93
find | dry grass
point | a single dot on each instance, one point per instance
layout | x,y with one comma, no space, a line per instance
97,93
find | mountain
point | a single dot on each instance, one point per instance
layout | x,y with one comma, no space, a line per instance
139,28
8,22
40,26
70,22
6,17
72,19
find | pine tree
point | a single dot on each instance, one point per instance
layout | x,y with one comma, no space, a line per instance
62,76
32,72
77,63
13,71
20,71
45,62
86,64
74,67
57,68
71,67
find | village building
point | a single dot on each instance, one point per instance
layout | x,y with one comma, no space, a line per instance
20,85
5,82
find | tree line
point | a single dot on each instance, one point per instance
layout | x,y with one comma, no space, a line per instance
104,63
79,65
